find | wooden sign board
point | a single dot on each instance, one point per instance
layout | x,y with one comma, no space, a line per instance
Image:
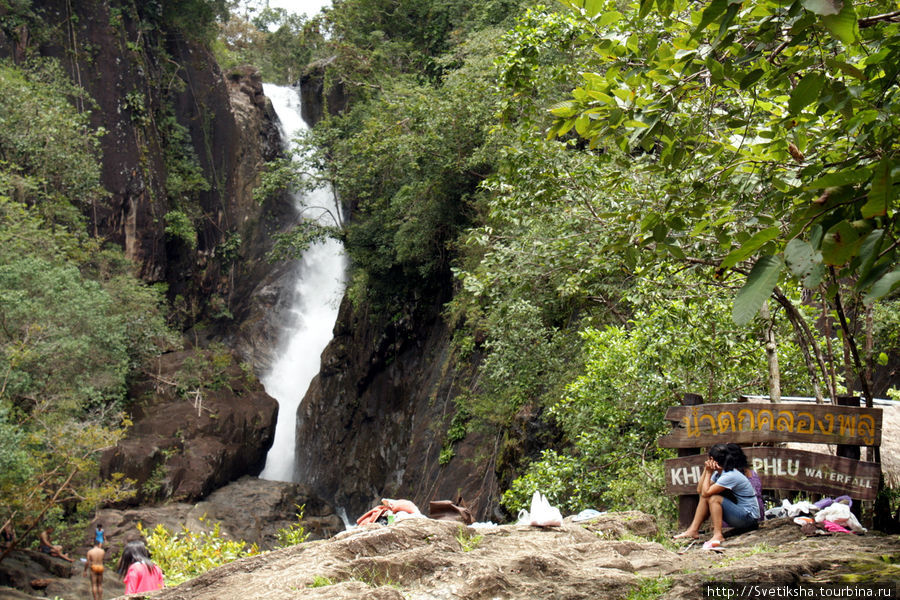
784,469
746,423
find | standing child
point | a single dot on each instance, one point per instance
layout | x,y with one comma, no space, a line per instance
138,572
99,535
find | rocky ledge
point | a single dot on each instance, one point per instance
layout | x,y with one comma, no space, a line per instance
608,557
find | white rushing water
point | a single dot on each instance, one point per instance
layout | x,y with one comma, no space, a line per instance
318,289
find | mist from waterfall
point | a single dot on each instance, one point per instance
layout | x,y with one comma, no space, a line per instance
320,278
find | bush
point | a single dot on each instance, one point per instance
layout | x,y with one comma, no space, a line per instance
183,556
295,533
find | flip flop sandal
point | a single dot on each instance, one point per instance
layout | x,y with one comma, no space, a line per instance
714,545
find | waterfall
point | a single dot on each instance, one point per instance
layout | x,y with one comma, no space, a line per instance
318,288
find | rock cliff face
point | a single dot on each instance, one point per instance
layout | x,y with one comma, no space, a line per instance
374,421
168,109
172,116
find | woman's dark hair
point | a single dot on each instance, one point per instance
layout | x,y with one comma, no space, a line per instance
729,457
134,551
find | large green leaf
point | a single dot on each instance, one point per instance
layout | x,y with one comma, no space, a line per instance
839,178
750,78
749,247
806,92
840,244
823,7
882,191
843,25
868,251
593,7
804,262
710,14
883,287
760,283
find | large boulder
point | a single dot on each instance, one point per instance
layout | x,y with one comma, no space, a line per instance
200,421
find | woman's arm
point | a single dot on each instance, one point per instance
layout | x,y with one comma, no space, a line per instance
706,487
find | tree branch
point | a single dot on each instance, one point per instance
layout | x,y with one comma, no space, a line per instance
893,17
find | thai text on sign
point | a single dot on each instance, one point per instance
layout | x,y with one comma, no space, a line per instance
743,423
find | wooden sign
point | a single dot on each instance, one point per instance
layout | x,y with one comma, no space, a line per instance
745,423
781,468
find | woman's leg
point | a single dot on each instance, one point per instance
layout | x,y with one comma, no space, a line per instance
693,530
715,517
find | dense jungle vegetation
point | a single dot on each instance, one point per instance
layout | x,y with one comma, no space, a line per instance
76,323
620,202
615,202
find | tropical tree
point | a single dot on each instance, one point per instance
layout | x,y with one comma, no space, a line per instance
773,129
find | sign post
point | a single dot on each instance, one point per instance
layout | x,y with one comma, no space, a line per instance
703,425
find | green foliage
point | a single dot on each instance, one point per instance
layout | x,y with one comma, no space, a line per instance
650,588
613,413
467,539
408,162
179,225
293,534
276,42
446,455
15,464
184,176
186,554
54,177
76,323
524,358
206,369
744,115
320,581
194,19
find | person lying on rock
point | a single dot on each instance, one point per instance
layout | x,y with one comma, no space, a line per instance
726,494
47,546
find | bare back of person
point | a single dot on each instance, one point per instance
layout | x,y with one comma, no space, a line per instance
94,568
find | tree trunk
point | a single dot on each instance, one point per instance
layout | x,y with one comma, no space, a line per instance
771,353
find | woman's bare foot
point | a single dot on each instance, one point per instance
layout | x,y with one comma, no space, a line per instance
687,535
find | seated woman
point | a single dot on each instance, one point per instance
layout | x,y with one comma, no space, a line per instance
725,495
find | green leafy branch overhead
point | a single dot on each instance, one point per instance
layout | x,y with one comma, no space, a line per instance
774,126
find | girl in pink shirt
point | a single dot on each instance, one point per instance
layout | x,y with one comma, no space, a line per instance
137,570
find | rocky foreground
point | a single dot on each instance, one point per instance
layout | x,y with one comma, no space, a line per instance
610,556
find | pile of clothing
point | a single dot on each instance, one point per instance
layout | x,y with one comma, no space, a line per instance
828,515
390,511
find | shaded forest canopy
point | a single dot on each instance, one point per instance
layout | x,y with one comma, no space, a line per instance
614,202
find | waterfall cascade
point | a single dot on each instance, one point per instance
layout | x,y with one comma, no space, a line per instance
317,293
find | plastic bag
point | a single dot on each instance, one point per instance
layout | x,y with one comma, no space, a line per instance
542,514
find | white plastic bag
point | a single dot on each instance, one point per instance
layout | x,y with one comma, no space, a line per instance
542,514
